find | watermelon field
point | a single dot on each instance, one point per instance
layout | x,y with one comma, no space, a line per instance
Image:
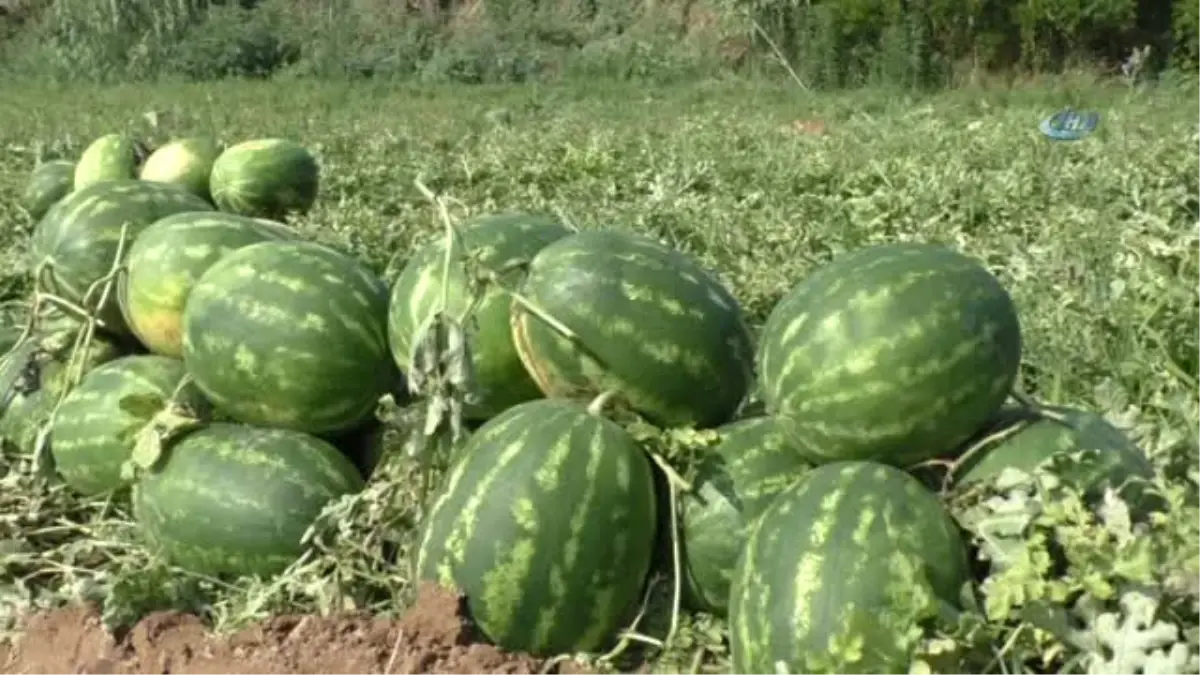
708,378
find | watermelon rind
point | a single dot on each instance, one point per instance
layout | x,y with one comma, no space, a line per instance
894,353
231,500
109,157
269,178
79,237
290,334
167,259
735,483
650,324
187,162
497,242
48,182
547,525
844,572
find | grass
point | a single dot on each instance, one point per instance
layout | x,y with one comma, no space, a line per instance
1096,240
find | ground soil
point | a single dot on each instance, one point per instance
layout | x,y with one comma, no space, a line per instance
434,636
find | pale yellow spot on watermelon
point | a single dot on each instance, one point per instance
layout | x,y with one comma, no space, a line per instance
245,360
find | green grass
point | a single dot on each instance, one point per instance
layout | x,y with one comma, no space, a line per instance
1097,241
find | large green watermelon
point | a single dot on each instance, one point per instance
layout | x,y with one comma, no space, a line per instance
168,257
652,325
268,178
546,524
234,500
752,464
895,353
94,434
184,161
1097,455
842,571
497,241
48,183
290,334
110,157
79,236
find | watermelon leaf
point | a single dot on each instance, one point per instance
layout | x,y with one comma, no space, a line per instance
142,405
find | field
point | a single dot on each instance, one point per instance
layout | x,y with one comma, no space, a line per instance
1096,241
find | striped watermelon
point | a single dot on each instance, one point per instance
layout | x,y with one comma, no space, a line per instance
842,571
79,236
110,157
895,353
735,483
652,325
547,525
93,434
1101,455
168,257
234,500
290,334
48,183
186,162
268,178
497,241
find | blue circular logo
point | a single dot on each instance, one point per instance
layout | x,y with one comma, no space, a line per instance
1069,125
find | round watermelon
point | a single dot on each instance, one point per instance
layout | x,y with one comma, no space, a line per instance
895,353
48,183
79,237
110,157
290,334
185,161
94,433
735,483
843,572
547,524
650,324
168,257
231,500
496,242
268,178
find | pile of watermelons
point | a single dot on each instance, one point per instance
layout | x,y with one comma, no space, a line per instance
184,342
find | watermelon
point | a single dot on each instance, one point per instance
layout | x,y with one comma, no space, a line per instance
1100,456
168,257
185,161
80,235
268,178
652,324
547,525
110,157
48,183
290,334
894,353
25,416
93,434
232,500
735,483
841,573
498,240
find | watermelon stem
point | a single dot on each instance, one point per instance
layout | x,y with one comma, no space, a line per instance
978,447
675,483
596,407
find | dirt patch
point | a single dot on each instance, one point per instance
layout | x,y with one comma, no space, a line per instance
433,637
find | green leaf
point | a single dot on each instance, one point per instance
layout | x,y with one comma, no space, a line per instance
144,406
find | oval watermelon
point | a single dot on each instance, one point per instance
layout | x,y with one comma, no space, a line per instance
235,500
48,183
841,572
268,178
186,162
735,483
110,157
496,241
546,523
895,353
652,325
93,434
168,257
78,238
290,334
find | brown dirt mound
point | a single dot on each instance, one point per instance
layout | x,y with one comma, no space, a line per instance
433,637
